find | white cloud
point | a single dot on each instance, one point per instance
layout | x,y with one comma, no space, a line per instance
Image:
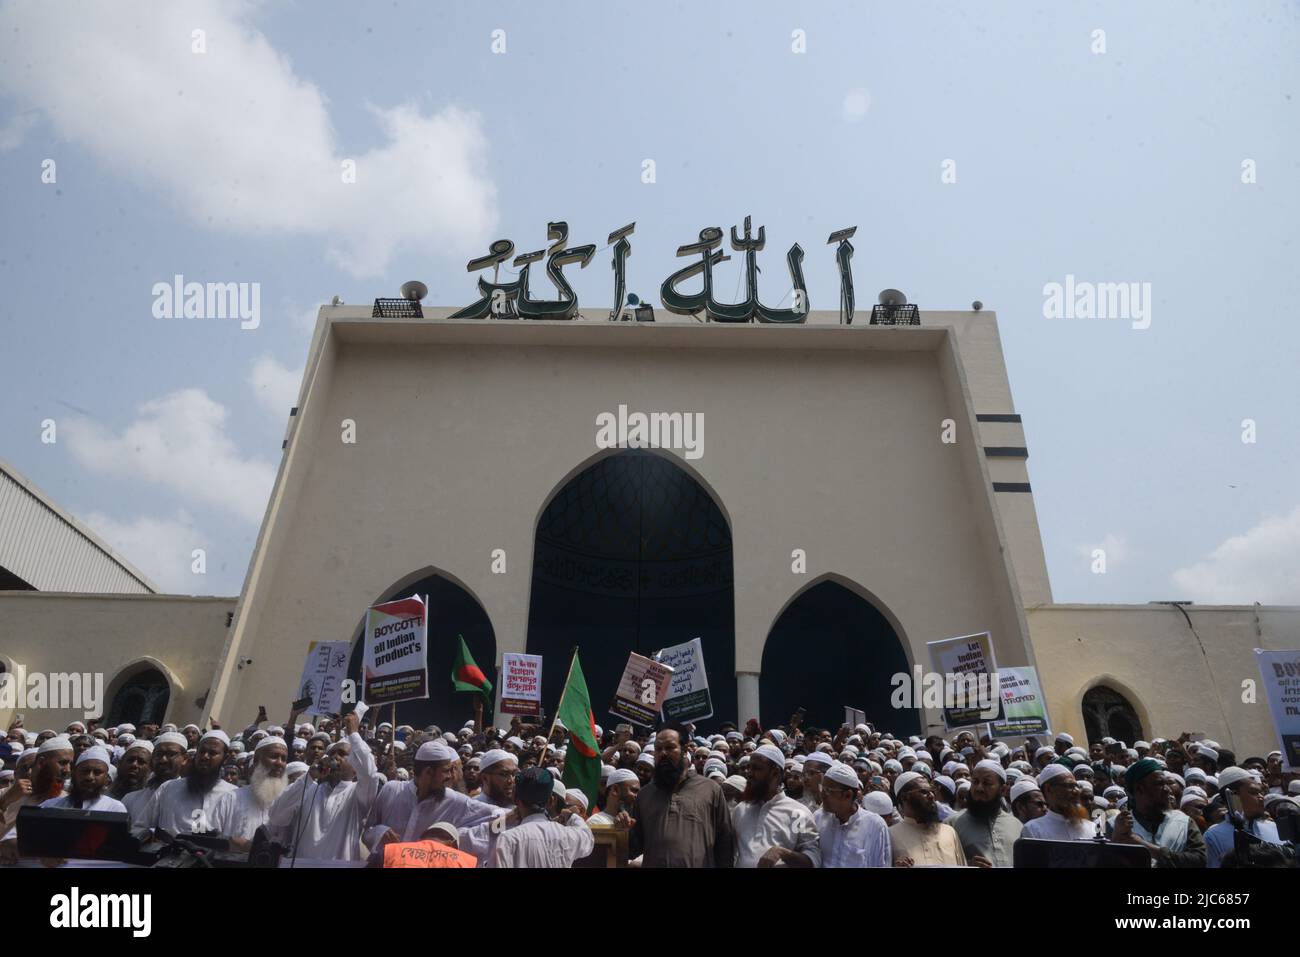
179,441
275,386
236,139
856,104
1115,547
13,132
1262,565
162,548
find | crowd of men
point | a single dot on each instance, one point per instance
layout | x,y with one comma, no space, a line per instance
339,790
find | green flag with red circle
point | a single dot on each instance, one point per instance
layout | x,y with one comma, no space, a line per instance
467,676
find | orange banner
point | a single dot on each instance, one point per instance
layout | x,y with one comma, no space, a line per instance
426,854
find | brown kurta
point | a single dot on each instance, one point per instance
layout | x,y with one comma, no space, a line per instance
691,827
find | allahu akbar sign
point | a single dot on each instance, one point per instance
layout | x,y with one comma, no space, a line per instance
514,299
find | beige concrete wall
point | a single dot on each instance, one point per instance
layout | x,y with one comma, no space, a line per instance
113,635
1174,681
822,438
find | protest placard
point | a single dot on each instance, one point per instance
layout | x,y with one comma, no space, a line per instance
395,665
972,693
1281,673
521,684
641,689
323,675
1024,710
688,697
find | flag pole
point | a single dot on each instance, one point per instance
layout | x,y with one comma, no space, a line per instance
556,717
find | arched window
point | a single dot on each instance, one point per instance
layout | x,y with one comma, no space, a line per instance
141,700
1107,713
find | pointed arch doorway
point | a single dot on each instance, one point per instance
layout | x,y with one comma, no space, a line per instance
632,553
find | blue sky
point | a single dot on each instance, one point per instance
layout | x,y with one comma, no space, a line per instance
1115,166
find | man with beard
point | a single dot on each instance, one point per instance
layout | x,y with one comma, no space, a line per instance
814,766
536,840
680,819
849,836
497,771
987,831
89,781
326,807
168,760
1171,837
921,839
200,802
771,827
1027,800
793,780
253,803
1067,818
620,795
51,768
404,810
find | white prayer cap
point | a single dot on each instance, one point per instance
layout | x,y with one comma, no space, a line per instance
1067,738
1213,779
255,736
893,765
299,744
382,725
517,741
218,735
57,743
720,755
1023,787
305,726
295,767
878,802
843,774
1271,753
621,776
237,746
819,757
1100,802
994,766
1233,775
30,751
495,756
599,732
464,749
1079,752
576,794
81,728
167,727
171,737
275,731
1053,771
435,751
906,778
737,781
399,745
1293,787
99,733
468,725
141,745
950,765
96,753
188,726
1208,753
6,775
271,742
1194,791
1141,744
906,753
1189,796
862,729
1194,774
129,728
948,783
1041,751
771,753
403,774
557,786
1114,790
1014,775
646,757
734,736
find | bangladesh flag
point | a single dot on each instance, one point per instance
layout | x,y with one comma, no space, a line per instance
582,761
466,676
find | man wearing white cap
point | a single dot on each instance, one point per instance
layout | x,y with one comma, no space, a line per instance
497,770
253,803
52,767
334,797
849,836
620,795
1027,801
404,810
921,839
814,766
771,827
89,781
132,776
1067,817
986,829
200,802
1247,791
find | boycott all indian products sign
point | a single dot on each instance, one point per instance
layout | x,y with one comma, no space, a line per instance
395,664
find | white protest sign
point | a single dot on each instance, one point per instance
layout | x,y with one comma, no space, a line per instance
396,668
323,675
1281,673
688,692
521,684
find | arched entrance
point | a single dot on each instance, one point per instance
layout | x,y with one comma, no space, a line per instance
632,554
829,649
142,699
1108,714
452,611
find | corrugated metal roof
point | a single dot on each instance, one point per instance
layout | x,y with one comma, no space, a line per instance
50,550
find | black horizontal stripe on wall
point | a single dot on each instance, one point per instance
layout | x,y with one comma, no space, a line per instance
997,417
1006,451
1011,486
